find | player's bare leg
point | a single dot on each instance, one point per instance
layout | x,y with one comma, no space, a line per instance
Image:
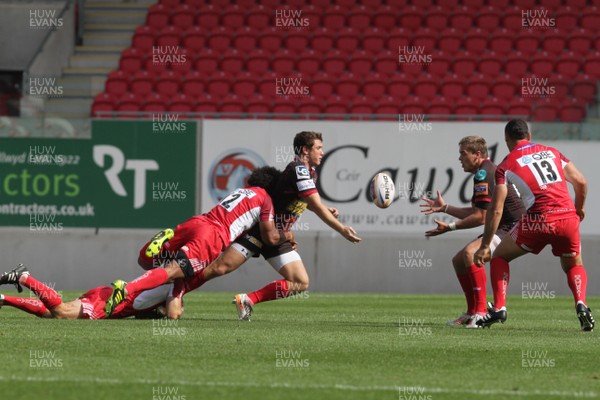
506,251
230,260
577,280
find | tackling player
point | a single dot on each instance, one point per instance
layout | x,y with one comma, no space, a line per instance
198,241
165,300
295,191
540,174
474,159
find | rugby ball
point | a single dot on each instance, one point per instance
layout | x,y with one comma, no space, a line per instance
382,190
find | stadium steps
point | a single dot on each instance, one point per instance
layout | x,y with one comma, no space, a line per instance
108,29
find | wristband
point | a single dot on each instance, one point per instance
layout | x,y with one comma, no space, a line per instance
452,226
446,209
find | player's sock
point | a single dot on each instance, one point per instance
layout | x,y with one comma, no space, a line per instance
467,287
150,280
577,279
47,295
478,282
32,306
145,261
273,291
500,276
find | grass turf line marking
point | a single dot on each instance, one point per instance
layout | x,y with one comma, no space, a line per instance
352,388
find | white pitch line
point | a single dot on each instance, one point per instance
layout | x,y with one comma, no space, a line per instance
352,388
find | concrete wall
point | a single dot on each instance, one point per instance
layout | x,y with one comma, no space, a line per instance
79,259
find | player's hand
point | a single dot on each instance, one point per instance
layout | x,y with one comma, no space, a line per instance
433,206
334,211
289,236
350,234
482,255
581,214
294,245
441,227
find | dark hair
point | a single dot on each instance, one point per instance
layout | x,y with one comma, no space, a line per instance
516,129
264,177
305,138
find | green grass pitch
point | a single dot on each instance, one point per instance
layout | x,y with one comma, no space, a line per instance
323,346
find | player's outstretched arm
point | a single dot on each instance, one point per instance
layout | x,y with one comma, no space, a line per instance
328,216
272,236
576,178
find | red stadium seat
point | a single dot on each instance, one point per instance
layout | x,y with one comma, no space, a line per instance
580,41
545,111
309,63
170,3
117,84
384,18
347,40
103,102
157,17
527,42
440,64
259,18
257,62
592,64
398,38
571,111
220,39
168,83
400,87
501,42
554,41
464,64
492,106
267,86
143,38
312,14
362,105
207,62
568,64
584,88
476,41
218,85
232,62
461,19
245,40
348,86
129,102
336,105
245,85
142,83
452,87
411,18
490,64
466,106
516,64
359,18
450,41
388,106
412,106
322,40
283,62
513,19
425,38
193,84
519,106
131,60
440,106
194,39
360,63
542,64
206,106
283,106
183,16
475,3
297,41
567,19
181,106
334,19
426,88
232,104
561,86
436,19
169,36
233,18
322,86
489,19
154,102
208,19
373,40
310,105
271,40
374,86
257,104
478,87
334,63
506,88
525,4
591,20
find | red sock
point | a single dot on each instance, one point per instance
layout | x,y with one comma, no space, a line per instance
32,306
47,295
500,276
273,291
577,279
150,280
478,282
465,284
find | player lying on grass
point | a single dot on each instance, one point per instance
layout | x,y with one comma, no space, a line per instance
194,244
295,191
540,173
474,159
165,300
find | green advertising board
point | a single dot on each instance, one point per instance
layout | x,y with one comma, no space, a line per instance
131,174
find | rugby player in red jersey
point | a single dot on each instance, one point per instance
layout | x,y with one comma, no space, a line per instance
165,300
295,191
199,240
474,159
540,174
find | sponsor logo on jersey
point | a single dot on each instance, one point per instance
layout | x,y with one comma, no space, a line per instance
302,172
230,171
305,185
481,189
480,175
